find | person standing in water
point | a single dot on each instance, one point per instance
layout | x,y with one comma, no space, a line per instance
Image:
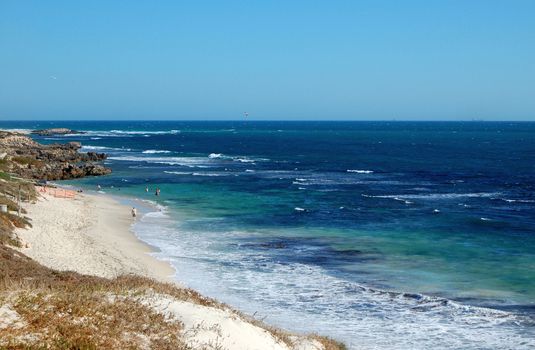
146,188
134,212
157,192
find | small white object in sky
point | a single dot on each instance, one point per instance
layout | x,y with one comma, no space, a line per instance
53,77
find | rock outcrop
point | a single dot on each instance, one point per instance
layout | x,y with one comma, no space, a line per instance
29,159
56,131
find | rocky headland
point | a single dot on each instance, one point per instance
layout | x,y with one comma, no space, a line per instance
21,155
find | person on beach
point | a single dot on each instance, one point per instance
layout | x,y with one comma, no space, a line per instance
134,212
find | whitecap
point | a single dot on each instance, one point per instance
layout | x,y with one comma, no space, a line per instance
244,160
102,148
359,171
185,161
210,174
434,196
136,132
123,133
241,159
178,172
155,151
517,200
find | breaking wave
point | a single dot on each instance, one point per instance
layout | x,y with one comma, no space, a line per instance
186,161
103,148
359,171
434,196
155,151
307,298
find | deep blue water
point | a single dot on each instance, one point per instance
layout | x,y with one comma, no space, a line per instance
389,234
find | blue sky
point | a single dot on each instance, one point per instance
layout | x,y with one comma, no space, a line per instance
406,60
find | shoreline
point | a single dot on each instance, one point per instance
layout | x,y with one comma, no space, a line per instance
90,234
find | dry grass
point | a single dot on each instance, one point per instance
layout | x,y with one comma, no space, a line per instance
11,189
329,343
66,310
85,320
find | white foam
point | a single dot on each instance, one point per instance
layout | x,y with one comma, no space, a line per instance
307,298
517,200
210,174
94,148
359,171
156,214
298,183
244,160
241,159
187,161
103,148
20,131
155,151
178,172
434,196
123,133
139,132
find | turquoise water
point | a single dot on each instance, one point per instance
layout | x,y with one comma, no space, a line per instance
390,235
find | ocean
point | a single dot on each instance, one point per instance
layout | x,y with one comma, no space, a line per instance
397,235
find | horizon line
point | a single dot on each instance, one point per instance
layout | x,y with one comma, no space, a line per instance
273,120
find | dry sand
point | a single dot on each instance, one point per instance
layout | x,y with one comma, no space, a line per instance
91,235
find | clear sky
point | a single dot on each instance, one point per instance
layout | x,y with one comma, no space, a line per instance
201,59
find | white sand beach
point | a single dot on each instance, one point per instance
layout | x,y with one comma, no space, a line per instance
90,234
